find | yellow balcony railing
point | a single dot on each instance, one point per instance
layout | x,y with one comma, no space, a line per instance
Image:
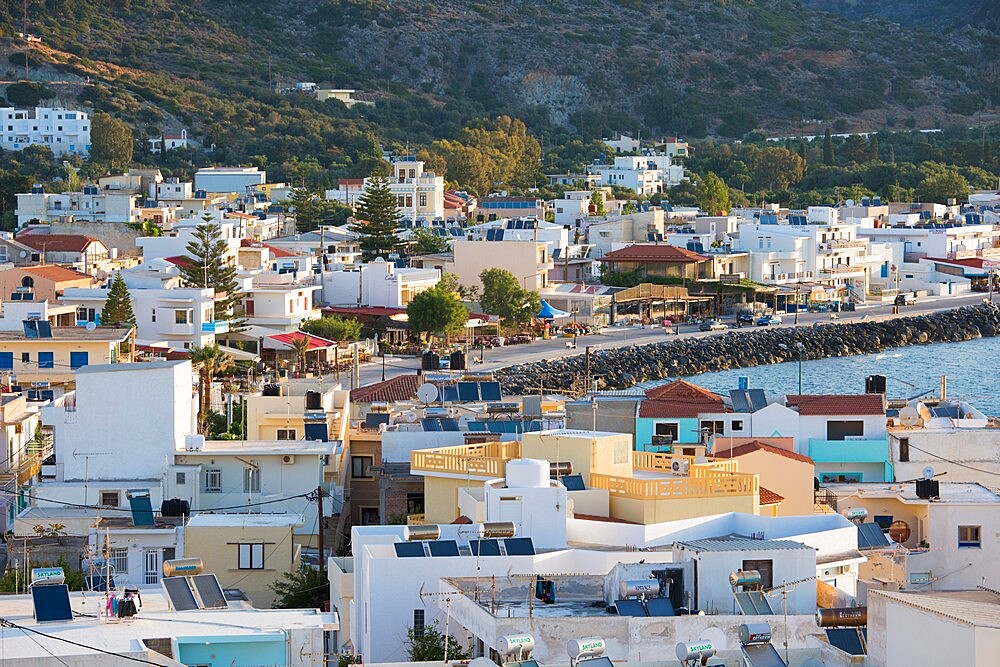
657,462
706,485
415,519
481,460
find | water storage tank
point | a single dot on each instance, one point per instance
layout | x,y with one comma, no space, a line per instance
640,588
744,578
842,617
527,474
698,650
755,633
493,529
425,532
588,647
41,576
516,645
182,567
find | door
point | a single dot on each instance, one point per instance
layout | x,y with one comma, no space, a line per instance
153,562
510,510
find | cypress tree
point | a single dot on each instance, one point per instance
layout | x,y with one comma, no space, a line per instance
117,309
828,148
377,219
210,266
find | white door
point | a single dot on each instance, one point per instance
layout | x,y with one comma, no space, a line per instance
152,559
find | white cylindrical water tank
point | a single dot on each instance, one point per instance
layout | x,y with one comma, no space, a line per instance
516,644
588,647
687,651
640,588
527,474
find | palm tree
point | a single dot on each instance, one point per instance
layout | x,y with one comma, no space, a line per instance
209,360
301,346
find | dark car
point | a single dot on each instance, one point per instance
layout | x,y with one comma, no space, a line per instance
769,320
744,317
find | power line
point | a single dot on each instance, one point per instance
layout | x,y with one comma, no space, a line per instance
9,624
956,463
105,508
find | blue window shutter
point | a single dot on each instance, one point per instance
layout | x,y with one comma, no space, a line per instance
78,359
6,361
46,360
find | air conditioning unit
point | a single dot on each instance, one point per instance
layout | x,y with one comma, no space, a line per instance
288,459
680,466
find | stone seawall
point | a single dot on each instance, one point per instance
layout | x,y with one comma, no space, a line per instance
618,368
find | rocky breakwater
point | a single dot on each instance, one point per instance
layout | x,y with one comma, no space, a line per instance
618,368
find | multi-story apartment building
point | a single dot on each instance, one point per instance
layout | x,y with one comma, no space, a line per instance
419,193
65,131
92,204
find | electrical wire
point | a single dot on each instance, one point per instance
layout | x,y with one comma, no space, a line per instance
956,463
104,508
9,624
44,648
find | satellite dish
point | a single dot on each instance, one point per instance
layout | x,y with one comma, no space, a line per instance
849,202
91,326
427,393
928,473
23,254
909,416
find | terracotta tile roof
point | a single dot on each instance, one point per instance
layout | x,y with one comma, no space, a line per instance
971,262
769,497
180,260
55,273
279,252
682,389
758,446
680,399
57,242
812,405
653,252
399,388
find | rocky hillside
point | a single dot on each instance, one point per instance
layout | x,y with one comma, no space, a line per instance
596,66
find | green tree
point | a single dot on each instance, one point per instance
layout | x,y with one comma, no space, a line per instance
111,141
209,360
597,200
504,297
437,311
306,588
774,168
118,306
828,148
713,194
302,203
427,645
333,327
209,265
423,242
377,219
941,183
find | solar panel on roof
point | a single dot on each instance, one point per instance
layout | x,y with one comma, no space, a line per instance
525,663
519,546
490,391
374,419
468,391
51,603
603,661
630,608
449,394
409,549
660,607
846,639
431,424
753,603
484,547
142,509
741,402
757,399
179,593
762,655
870,536
477,427
449,425
443,548
573,482
209,591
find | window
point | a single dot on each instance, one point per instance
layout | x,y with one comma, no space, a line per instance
7,361
251,556
418,622
286,434
840,478
119,560
46,360
181,317
423,199
370,516
737,425
669,429
180,478
842,430
414,503
213,480
904,450
110,498
361,466
409,201
78,359
713,427
153,318
251,479
26,357
766,569
969,537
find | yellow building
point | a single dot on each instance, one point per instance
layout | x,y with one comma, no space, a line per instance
245,551
31,355
782,471
641,487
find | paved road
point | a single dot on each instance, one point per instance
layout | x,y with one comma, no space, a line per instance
613,337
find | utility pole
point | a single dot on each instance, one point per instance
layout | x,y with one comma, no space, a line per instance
587,368
319,523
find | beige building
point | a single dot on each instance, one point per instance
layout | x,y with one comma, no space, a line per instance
245,551
44,283
782,471
529,261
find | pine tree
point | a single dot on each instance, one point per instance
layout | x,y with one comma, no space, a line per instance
208,265
874,145
828,148
377,219
118,306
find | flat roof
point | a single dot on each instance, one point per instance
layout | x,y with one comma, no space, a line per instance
967,612
145,365
740,543
110,334
155,620
246,520
262,447
950,492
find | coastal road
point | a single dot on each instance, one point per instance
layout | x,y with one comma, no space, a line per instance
613,337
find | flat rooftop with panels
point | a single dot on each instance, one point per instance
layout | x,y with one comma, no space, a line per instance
515,596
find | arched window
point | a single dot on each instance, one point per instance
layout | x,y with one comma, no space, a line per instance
27,281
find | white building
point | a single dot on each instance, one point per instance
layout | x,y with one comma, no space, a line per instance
377,283
572,208
280,301
643,174
65,131
168,142
90,205
419,193
174,244
229,179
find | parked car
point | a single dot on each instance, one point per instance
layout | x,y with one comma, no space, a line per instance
904,300
769,320
713,325
744,317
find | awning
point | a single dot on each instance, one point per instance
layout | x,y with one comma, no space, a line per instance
548,312
238,354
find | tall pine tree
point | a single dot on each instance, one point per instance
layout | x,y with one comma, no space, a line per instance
209,265
828,148
117,309
377,219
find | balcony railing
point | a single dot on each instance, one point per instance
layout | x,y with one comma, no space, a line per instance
705,484
838,244
657,462
483,460
841,269
784,277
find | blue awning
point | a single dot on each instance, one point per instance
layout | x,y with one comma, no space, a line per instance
548,312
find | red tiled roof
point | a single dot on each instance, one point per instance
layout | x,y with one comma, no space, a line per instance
971,262
180,260
55,273
758,446
769,497
684,390
680,399
279,252
57,242
399,388
654,252
836,404
315,342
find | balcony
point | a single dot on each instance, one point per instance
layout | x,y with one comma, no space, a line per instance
487,461
842,270
791,277
716,478
836,245
221,326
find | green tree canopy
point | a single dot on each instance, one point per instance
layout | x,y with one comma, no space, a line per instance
713,194
209,360
941,183
427,645
118,306
437,311
504,297
209,265
377,219
827,148
111,141
423,242
306,588
597,199
333,327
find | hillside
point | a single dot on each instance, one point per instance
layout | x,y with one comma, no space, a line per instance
595,67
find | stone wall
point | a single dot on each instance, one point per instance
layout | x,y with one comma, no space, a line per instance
618,368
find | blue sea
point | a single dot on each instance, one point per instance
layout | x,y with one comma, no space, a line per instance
971,368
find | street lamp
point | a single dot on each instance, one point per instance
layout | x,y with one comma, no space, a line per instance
800,347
